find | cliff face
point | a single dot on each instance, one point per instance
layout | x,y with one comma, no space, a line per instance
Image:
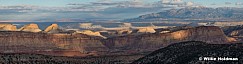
29,41
52,27
90,33
24,41
78,42
8,27
30,28
210,34
88,41
146,30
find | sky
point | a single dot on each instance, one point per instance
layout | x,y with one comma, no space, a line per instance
79,10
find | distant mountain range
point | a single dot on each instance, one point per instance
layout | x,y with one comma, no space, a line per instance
195,14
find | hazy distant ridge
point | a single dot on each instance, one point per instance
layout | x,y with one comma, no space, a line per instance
195,13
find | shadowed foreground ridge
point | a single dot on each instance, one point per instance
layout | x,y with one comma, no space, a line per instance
26,58
189,53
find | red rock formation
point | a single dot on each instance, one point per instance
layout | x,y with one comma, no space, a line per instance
29,41
146,30
52,27
30,28
209,34
78,42
19,41
8,27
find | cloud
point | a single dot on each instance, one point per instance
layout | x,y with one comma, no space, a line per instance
105,2
189,4
21,8
227,3
104,9
238,3
101,5
174,3
76,4
213,4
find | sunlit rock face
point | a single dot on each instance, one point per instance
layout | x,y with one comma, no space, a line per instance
146,30
24,41
78,42
30,28
90,33
121,32
8,27
29,41
236,33
51,28
209,34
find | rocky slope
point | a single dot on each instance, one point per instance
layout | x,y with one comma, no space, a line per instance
190,52
233,30
209,34
35,59
23,58
195,13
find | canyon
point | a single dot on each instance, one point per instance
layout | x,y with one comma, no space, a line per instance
55,41
56,45
209,34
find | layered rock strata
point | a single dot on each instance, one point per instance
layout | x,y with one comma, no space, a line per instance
209,34
28,41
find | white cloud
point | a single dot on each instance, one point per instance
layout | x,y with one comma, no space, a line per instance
100,9
189,3
238,3
165,1
227,3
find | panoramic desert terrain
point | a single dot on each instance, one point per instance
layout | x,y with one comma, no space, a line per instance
121,32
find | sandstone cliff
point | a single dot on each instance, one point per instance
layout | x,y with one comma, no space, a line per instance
121,32
24,41
51,28
78,42
29,41
8,27
146,30
209,34
30,28
29,38
91,33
